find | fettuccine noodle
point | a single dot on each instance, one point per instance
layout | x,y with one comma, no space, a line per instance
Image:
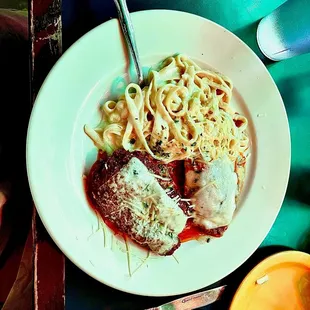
183,113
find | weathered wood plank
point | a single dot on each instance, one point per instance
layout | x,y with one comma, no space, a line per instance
46,38
49,270
48,261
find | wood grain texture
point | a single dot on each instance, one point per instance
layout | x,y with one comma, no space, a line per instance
49,269
48,261
46,39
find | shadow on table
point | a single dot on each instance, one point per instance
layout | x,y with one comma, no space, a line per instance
99,296
304,244
79,17
298,186
291,90
293,93
248,35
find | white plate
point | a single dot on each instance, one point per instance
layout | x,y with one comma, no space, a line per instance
58,151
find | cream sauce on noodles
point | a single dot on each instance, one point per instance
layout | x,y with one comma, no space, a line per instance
183,113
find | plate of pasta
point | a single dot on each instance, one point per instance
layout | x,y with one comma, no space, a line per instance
162,188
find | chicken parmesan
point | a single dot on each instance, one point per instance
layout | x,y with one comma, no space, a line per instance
171,159
138,196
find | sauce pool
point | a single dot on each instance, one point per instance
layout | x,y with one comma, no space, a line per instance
193,232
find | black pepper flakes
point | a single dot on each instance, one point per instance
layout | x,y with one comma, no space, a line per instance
165,155
157,148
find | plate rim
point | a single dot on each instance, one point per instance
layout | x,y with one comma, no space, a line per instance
33,113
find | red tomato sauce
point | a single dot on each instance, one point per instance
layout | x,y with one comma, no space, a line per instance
193,232
238,122
106,221
177,170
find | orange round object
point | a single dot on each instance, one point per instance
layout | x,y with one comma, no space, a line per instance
281,281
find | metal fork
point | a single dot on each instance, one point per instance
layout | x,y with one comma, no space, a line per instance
128,31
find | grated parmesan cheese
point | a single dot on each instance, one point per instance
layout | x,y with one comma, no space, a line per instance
155,216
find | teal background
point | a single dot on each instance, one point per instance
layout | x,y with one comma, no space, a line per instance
292,226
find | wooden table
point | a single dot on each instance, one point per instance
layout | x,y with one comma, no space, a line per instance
48,261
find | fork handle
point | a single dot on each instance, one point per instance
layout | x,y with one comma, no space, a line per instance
128,31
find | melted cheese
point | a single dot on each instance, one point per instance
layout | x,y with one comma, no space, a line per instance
215,198
137,189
